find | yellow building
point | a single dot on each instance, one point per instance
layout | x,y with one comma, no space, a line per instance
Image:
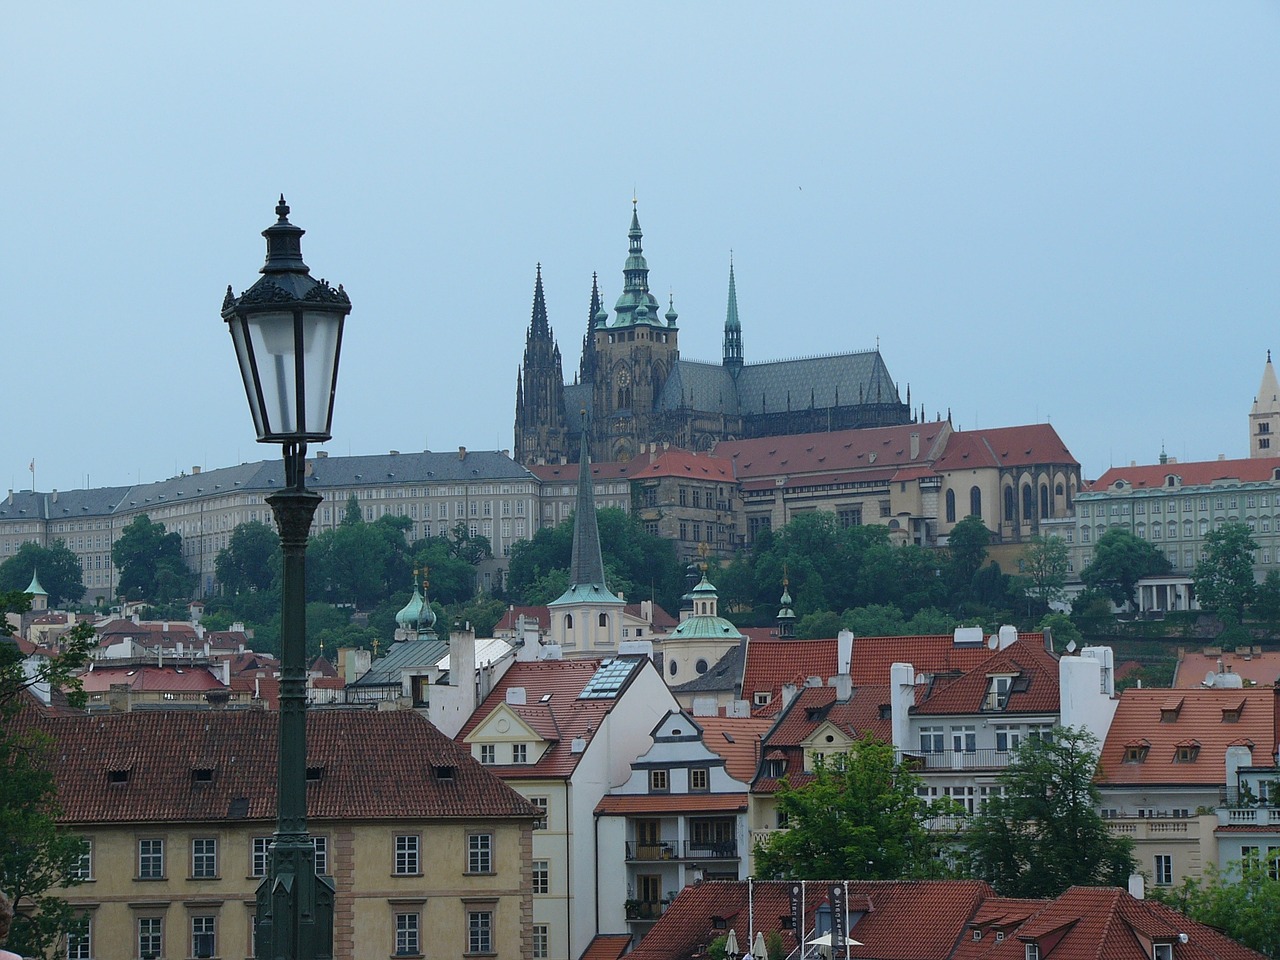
428,851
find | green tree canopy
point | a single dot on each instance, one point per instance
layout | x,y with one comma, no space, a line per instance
150,563
1045,565
58,567
251,560
36,856
1120,560
1243,902
1045,833
1224,578
966,552
858,818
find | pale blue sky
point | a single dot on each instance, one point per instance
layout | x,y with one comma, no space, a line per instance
1066,211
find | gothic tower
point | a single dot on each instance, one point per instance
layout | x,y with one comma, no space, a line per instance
732,329
540,428
587,367
1264,418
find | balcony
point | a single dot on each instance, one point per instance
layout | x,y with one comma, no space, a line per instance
683,850
954,759
645,911
1249,816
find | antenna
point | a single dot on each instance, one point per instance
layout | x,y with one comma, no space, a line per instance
1210,678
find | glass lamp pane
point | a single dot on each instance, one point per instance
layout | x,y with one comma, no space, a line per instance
271,335
247,375
320,346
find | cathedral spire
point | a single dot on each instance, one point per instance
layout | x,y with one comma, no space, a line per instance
539,325
586,565
587,367
732,328
636,304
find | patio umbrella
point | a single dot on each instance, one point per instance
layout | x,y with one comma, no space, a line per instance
825,941
731,944
760,952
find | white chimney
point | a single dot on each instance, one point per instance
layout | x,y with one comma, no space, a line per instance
1008,636
844,651
516,696
902,697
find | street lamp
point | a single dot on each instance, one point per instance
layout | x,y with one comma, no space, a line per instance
287,330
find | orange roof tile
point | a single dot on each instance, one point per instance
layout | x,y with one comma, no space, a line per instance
1150,476
621,804
771,663
1035,689
151,679
1138,717
607,946
1026,445
737,739
1253,668
885,448
361,756
873,656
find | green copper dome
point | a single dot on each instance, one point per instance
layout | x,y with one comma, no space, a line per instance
411,613
34,588
705,623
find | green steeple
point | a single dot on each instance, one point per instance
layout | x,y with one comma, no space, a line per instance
586,565
705,622
732,328
786,616
34,587
635,274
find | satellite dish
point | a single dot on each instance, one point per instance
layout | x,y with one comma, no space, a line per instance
1071,646
993,641
1209,678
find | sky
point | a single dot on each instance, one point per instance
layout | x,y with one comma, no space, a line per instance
1061,212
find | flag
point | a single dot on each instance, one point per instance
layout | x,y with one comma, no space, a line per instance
32,466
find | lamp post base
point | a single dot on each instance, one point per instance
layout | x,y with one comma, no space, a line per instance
295,907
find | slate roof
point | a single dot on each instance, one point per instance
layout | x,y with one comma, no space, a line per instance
1152,476
1200,717
873,656
560,719
907,920
884,449
1021,446
1035,689
361,756
842,379
724,675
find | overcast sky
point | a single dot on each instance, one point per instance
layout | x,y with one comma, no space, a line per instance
1064,212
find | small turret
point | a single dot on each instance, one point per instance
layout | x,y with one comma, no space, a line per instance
732,328
786,616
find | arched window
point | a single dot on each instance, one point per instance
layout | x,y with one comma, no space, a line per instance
568,621
975,502
1045,511
1010,506
1028,503
604,619
951,506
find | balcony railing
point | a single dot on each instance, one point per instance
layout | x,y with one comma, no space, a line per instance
1251,816
683,850
955,759
645,910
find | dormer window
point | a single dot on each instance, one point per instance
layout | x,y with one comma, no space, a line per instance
998,692
1135,751
519,753
1032,951
1162,951
1186,751
1170,709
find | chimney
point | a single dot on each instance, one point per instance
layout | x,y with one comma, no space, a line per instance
462,453
322,454
843,685
844,651
788,694
915,445
1008,636
902,697
55,494
195,471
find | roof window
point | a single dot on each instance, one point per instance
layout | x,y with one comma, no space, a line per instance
202,775
118,776
1135,751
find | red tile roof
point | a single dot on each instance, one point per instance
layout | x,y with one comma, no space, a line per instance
873,656
568,472
561,719
1149,476
813,706
631,803
1261,668
839,450
1035,689
361,756
1138,717
682,463
148,679
607,946
1027,445
771,663
907,920
737,739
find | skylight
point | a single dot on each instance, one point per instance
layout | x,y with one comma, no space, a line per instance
608,680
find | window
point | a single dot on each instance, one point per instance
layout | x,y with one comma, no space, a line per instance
150,936
931,740
541,942
1032,951
1008,738
975,502
407,855
479,931
408,942
150,859
322,855
541,876
260,856
519,753
480,853
80,940
1162,951
203,940
541,804
83,870
998,690
204,858
951,506
658,781
699,779
1164,869
964,739
488,753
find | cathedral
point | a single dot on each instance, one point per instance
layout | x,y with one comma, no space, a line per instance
633,389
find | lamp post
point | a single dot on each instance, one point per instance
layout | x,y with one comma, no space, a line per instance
287,331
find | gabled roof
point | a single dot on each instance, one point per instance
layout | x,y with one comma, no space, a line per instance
737,739
1196,473
607,946
552,689
1022,446
360,756
884,449
907,920
1201,716
609,470
873,656
771,663
687,465
1035,689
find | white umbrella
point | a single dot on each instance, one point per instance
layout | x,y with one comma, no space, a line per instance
825,941
731,944
760,952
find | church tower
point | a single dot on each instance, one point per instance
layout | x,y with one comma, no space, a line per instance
732,329
1264,418
541,436
634,355
587,367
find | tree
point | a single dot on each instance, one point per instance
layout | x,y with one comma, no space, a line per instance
1045,833
1243,902
1266,602
150,563
1120,560
1224,579
1045,565
1062,630
858,818
966,552
251,559
58,567
36,856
